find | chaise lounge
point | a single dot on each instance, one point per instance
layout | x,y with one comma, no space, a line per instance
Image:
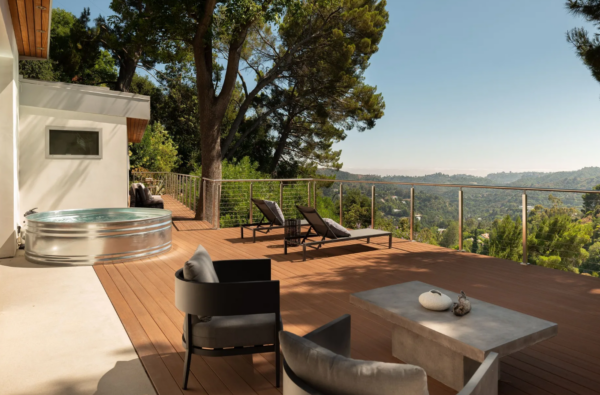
330,232
272,219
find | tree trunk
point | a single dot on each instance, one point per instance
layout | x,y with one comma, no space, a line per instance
210,147
126,72
280,146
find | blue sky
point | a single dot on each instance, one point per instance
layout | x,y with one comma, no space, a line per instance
473,87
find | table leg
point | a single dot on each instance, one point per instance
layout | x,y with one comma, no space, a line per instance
439,362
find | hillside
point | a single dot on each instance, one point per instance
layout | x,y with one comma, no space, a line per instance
438,205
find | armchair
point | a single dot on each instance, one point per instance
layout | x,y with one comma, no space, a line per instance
239,314
331,370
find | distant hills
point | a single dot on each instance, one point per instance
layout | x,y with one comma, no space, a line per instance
438,205
585,178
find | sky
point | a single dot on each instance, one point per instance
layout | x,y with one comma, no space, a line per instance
472,87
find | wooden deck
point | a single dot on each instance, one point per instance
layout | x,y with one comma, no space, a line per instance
317,291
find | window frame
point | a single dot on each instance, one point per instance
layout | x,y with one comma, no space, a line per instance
75,129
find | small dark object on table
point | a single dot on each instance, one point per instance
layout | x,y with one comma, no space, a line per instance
463,306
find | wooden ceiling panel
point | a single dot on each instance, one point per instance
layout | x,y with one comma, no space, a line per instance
31,22
135,129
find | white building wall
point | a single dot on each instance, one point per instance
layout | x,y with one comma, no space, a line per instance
59,184
9,118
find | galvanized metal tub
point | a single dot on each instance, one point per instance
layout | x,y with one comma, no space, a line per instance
88,236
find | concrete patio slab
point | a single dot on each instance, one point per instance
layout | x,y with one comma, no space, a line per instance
59,334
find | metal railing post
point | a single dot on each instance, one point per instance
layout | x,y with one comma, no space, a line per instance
373,207
525,258
314,194
341,203
219,206
460,219
412,213
308,197
250,201
281,195
214,196
203,199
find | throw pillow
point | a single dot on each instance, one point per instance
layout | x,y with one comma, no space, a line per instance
200,268
336,228
276,211
334,374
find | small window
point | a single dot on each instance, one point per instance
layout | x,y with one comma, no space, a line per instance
73,143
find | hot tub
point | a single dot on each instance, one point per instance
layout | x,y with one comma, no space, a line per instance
88,236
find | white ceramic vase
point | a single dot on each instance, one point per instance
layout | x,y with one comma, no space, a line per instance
435,300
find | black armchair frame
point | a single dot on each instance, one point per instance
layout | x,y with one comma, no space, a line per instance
245,288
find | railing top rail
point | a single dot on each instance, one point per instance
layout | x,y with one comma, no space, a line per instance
265,180
424,184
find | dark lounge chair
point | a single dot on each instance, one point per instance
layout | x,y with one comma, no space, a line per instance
323,230
319,364
268,222
233,311
140,196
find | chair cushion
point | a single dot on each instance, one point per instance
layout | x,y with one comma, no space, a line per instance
200,267
336,228
276,211
337,375
234,331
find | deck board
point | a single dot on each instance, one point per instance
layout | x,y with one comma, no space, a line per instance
317,291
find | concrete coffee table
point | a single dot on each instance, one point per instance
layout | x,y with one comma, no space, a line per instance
448,347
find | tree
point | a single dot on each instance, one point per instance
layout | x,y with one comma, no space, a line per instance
156,151
556,231
506,239
450,236
591,201
132,39
475,245
209,29
356,208
75,53
587,48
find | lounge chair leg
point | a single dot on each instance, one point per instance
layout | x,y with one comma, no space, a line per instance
303,252
254,235
285,247
242,231
186,368
368,240
390,246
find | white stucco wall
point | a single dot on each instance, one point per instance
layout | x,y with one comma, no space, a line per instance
58,184
9,118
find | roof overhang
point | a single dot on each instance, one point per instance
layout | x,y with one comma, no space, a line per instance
89,99
31,22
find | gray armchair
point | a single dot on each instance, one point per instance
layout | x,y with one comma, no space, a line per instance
231,308
320,364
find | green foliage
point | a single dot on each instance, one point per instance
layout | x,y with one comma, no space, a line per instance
506,239
156,151
591,202
556,232
75,53
357,209
450,236
587,48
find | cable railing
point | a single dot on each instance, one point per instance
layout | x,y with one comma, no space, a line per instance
473,217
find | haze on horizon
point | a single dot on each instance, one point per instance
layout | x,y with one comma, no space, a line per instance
477,88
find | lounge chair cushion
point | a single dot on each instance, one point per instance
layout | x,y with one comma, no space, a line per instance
336,228
334,374
276,211
234,331
200,267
